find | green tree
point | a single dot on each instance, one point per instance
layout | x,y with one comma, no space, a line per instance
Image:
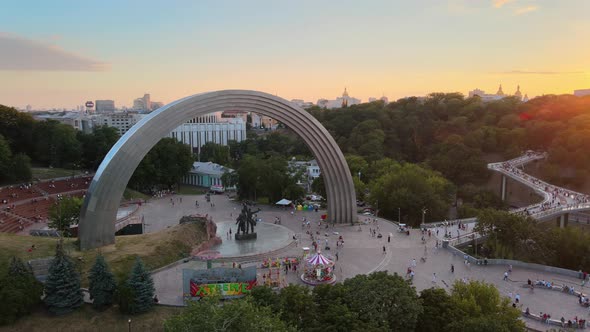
17,128
21,167
5,160
164,166
265,296
412,188
96,145
509,234
297,307
65,213
140,281
215,153
56,144
383,301
459,163
334,313
229,179
240,315
102,284
481,305
318,186
20,292
62,287
356,164
439,311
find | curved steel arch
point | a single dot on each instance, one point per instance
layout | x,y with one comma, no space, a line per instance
98,215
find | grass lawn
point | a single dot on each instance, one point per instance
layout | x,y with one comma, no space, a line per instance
130,194
51,173
185,189
262,200
155,249
87,319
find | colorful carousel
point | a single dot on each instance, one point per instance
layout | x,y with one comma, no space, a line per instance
318,270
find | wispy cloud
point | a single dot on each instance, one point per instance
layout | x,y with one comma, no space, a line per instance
524,10
528,72
500,3
25,54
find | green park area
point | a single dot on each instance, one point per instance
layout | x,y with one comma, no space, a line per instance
155,249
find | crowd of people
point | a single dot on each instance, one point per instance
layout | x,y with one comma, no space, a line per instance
555,197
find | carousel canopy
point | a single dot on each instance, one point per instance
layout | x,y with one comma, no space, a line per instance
318,258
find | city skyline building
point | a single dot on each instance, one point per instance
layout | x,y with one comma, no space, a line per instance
343,101
582,92
499,95
104,106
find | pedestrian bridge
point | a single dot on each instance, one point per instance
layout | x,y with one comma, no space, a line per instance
557,201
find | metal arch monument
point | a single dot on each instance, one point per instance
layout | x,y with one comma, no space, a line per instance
98,214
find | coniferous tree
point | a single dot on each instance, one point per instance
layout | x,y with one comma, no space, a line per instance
140,281
18,268
102,284
62,287
19,291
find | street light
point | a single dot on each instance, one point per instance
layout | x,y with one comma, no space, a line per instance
359,175
423,214
399,214
129,321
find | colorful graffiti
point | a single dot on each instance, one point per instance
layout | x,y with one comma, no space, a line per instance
224,289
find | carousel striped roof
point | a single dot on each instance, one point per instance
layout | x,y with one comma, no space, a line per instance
318,258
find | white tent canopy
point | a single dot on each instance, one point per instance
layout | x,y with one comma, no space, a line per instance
283,202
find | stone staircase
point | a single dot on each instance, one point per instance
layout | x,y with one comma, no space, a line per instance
40,267
258,257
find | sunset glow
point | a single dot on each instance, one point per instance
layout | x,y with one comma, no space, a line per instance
305,50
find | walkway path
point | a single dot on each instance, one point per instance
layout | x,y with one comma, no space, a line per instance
556,200
362,254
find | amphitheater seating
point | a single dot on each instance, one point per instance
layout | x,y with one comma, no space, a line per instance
62,186
11,224
32,210
31,205
18,193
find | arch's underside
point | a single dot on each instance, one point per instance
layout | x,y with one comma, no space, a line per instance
98,215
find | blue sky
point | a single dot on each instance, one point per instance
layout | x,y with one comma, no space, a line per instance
296,49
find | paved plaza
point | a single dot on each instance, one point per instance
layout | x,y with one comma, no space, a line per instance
360,254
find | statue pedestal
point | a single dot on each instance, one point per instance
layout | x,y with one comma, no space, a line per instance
249,236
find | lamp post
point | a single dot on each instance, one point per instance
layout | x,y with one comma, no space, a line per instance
359,175
399,214
129,322
424,214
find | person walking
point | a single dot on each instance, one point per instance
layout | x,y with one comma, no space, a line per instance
434,277
452,268
384,250
414,262
517,298
506,276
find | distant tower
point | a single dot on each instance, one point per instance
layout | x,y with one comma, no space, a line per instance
500,92
345,98
526,98
518,94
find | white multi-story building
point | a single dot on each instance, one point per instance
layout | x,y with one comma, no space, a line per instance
122,121
310,171
78,120
498,96
339,102
302,103
201,130
263,121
